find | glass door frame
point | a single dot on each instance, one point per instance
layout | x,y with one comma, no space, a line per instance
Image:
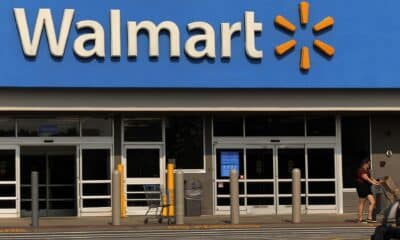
336,180
246,209
92,211
280,208
13,212
266,209
139,181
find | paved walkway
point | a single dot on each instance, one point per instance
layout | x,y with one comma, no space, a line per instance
203,222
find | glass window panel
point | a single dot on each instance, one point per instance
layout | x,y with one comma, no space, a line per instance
7,190
259,164
31,162
223,188
7,128
143,163
321,201
260,201
94,127
26,206
321,187
87,203
65,192
48,128
288,200
355,146
321,126
95,164
184,142
228,126
143,130
61,168
92,189
286,187
228,159
321,163
260,188
262,125
288,159
7,204
66,204
227,201
135,188
136,196
143,203
7,165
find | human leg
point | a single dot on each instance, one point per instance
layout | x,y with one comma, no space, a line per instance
361,205
372,203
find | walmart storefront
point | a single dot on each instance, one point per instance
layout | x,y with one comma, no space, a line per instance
262,86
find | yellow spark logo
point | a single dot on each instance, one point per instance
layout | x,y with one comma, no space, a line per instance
305,63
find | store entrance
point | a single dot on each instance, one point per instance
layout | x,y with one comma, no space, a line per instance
57,179
265,177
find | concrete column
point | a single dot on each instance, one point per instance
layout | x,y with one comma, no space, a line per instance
180,197
234,190
117,141
35,199
116,201
296,195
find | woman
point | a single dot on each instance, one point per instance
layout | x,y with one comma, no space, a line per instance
364,183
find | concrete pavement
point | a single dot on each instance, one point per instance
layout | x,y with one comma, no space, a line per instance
50,224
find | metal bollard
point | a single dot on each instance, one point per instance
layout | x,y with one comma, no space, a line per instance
35,199
234,190
116,202
296,195
179,197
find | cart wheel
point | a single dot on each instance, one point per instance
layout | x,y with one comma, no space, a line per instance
146,221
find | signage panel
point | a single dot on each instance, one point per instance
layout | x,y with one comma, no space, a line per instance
229,161
200,44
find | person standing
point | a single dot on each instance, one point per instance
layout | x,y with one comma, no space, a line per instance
364,182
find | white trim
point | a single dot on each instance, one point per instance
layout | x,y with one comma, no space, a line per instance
349,190
339,165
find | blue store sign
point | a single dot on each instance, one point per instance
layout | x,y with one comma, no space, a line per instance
199,44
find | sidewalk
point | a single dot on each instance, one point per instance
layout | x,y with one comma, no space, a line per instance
204,222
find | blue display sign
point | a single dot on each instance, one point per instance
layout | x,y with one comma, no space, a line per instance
200,44
229,160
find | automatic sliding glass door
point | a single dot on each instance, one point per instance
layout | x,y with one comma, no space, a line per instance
260,190
57,180
265,177
289,157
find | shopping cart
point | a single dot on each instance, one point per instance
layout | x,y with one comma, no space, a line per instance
383,200
385,195
155,204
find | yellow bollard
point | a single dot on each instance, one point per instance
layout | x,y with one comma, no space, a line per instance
123,200
164,203
171,187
